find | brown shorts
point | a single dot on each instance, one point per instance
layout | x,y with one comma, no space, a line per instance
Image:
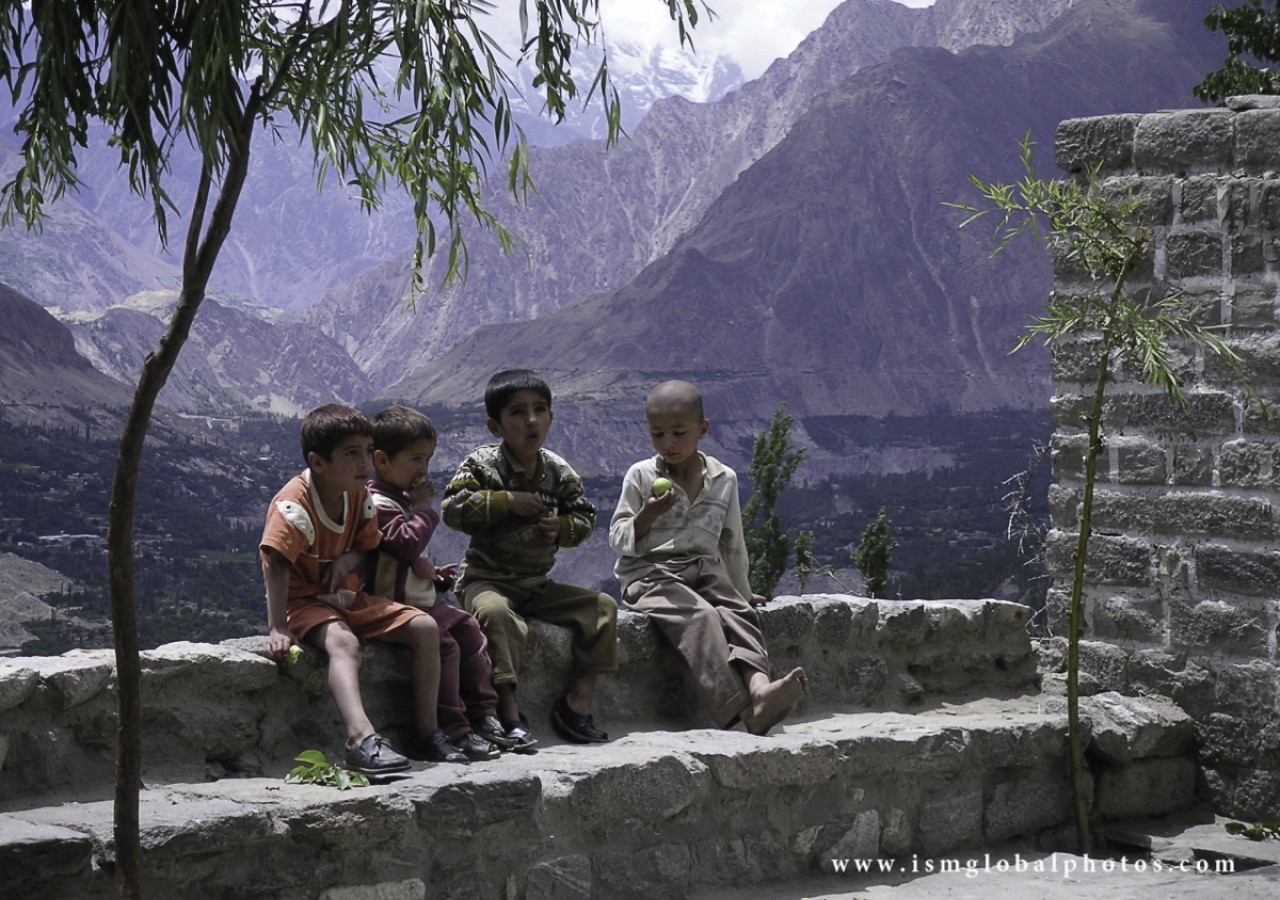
369,617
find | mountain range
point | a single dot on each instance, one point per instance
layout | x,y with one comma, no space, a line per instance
789,242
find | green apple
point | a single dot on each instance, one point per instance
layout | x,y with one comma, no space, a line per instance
661,486
295,654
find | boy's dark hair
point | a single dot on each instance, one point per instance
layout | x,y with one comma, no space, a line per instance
503,386
396,427
325,427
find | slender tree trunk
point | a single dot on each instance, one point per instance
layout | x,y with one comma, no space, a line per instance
199,257
1077,591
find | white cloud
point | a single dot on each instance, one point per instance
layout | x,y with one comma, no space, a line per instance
753,33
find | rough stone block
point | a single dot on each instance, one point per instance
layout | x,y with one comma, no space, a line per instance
1254,306
1108,560
659,873
1269,203
1127,619
1101,140
1138,461
1075,361
1153,196
1184,139
482,801
1129,728
1254,573
1256,795
1249,688
1192,465
950,823
1064,504
1206,413
17,681
1170,675
566,878
633,786
31,852
1198,199
1213,626
1107,663
850,836
1193,254
1246,255
1242,740
1025,807
1249,464
413,889
1259,358
1258,140
1148,787
1183,513
1202,307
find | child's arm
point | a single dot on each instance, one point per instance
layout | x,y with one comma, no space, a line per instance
470,503
276,575
637,510
405,537
576,515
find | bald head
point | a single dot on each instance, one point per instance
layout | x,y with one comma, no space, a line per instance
675,397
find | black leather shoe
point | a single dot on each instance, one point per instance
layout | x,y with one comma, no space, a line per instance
575,727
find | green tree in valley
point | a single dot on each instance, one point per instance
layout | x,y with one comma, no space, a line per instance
1253,35
216,74
774,460
1099,232
874,553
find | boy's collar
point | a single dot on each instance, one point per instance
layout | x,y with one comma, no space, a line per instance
518,466
713,467
383,487
321,513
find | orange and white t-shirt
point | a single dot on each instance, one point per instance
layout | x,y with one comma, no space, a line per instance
300,530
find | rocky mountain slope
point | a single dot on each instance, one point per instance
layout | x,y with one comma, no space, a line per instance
830,275
43,380
600,217
233,361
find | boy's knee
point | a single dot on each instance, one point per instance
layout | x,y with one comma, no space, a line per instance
341,642
489,605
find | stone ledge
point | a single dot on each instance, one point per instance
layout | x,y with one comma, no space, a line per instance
652,815
217,710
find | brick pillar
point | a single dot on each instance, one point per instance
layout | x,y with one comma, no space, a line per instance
1184,568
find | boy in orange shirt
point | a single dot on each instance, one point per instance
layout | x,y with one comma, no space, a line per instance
318,528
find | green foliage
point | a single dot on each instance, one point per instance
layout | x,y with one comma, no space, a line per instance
315,769
1259,831
874,553
774,460
1253,33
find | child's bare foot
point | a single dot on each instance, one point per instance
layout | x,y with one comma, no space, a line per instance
773,701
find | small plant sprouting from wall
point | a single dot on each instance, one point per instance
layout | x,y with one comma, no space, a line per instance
315,769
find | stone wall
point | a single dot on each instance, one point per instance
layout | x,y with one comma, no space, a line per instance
1184,566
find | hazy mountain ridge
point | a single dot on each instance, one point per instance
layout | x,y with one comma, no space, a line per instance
602,216
233,360
830,274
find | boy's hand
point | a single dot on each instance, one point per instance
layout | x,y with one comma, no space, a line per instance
447,576
522,503
550,527
335,576
278,643
656,505
422,492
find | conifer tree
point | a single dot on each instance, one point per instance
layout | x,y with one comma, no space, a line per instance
774,460
874,553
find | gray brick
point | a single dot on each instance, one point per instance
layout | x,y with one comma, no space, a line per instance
1250,572
1248,688
1246,255
1241,202
1249,464
1100,140
1207,413
1148,787
1138,620
1254,306
1154,196
1177,141
1192,465
1258,364
1139,461
1199,200
1258,139
1217,628
1067,411
1068,455
1201,307
1109,560
1064,504
1183,513
1269,204
1193,254
1075,360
